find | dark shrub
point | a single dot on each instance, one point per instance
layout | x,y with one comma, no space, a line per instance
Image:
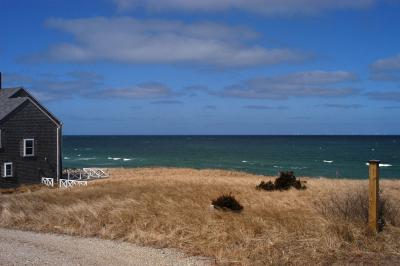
227,202
269,186
285,181
353,206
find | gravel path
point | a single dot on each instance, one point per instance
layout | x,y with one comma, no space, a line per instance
27,248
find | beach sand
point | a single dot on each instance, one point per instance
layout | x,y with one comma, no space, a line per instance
170,207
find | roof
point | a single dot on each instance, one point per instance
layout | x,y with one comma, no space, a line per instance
12,98
9,104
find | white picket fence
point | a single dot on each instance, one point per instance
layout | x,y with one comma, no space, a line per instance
48,181
65,183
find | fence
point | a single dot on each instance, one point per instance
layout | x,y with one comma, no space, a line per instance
65,183
48,181
96,172
85,173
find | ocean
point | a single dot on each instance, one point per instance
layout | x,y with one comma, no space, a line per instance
327,156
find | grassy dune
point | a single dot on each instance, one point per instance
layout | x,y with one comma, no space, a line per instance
167,207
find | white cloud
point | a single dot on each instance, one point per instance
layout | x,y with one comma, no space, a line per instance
386,68
57,87
388,63
300,84
87,85
140,91
264,7
129,40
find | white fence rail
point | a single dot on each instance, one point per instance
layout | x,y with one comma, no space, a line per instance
75,174
86,173
65,183
48,181
96,172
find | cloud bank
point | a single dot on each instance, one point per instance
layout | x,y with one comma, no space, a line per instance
128,40
87,85
386,69
262,7
149,90
300,84
57,87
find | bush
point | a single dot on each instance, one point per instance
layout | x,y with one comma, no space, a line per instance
285,181
227,202
269,186
353,206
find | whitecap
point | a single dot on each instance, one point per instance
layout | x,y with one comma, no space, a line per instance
127,159
298,167
79,155
109,158
116,159
382,164
326,161
66,158
86,159
244,161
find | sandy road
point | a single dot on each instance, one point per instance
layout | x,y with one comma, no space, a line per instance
27,248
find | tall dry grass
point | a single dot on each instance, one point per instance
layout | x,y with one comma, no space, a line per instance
166,207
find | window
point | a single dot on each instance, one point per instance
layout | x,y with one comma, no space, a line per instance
29,147
8,170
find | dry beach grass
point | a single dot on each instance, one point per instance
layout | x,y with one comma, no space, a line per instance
169,207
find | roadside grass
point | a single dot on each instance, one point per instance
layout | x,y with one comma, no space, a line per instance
169,207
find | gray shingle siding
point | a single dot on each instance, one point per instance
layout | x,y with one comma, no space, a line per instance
26,121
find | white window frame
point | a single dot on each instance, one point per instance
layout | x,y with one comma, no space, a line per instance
5,170
33,148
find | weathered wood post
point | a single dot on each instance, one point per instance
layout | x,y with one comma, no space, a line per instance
373,215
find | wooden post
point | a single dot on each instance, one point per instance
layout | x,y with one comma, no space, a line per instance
373,215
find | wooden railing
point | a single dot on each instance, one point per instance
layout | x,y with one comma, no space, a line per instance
65,183
86,173
96,172
48,181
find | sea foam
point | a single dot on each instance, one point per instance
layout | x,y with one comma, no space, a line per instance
87,159
382,164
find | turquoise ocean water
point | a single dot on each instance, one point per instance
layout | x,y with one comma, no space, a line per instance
329,156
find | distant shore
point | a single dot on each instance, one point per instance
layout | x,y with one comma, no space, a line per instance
170,207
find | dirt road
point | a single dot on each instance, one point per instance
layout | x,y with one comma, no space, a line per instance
27,248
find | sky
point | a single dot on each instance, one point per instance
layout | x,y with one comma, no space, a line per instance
218,67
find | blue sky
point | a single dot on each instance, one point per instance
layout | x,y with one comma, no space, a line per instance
208,67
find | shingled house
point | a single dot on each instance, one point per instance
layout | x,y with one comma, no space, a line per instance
30,139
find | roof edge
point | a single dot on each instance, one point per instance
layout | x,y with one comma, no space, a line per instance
40,106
